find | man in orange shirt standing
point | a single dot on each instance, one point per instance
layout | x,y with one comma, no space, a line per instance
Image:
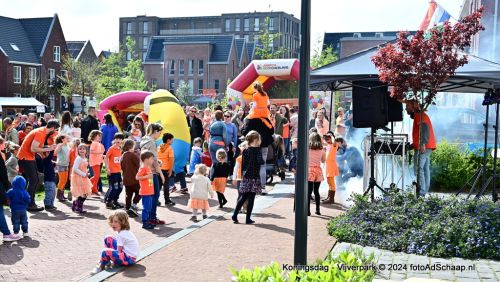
38,141
424,149
113,169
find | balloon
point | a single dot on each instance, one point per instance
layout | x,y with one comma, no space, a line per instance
315,105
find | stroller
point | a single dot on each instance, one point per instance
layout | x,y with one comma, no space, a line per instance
275,163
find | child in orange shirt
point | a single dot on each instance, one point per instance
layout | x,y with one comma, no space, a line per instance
166,157
260,103
113,169
145,177
81,187
96,157
331,167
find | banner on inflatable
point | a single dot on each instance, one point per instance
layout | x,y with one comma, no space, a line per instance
240,90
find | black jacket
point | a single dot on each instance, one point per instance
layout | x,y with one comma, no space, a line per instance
266,133
195,128
4,183
88,124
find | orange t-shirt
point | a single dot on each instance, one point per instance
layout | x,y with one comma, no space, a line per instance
146,184
331,167
166,156
114,155
38,135
286,131
96,153
260,109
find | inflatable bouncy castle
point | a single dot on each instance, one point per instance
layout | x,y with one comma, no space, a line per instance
158,107
240,90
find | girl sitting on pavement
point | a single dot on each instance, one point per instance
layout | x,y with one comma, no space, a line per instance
121,249
199,192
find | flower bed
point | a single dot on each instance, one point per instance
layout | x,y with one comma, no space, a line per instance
433,226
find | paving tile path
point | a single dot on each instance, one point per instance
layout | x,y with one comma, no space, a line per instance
473,270
207,253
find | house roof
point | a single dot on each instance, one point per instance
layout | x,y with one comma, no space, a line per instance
240,47
29,35
221,46
105,54
250,51
75,47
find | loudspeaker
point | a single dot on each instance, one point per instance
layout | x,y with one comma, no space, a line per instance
395,109
369,104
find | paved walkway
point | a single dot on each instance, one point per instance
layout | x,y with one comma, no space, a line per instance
208,253
472,270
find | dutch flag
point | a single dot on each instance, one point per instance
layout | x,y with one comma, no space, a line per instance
435,15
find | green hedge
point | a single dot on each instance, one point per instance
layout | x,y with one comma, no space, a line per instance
439,227
275,272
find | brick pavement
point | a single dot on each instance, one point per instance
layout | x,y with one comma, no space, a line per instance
65,246
207,253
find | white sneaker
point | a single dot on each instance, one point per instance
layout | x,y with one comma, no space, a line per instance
11,237
96,270
264,192
26,235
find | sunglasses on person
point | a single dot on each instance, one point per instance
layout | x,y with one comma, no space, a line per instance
137,124
227,116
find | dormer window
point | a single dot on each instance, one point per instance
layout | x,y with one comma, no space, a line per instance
14,47
379,34
356,35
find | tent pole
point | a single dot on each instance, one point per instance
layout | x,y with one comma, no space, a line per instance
331,107
301,198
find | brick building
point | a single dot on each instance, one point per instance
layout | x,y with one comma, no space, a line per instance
241,25
202,61
82,51
31,50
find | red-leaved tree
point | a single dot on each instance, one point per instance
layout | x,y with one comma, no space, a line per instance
416,66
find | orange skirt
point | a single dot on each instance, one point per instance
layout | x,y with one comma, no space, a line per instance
198,204
315,174
219,184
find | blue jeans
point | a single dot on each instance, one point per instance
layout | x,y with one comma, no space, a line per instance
286,141
181,177
19,219
115,187
156,196
262,172
147,204
425,170
212,148
4,228
50,193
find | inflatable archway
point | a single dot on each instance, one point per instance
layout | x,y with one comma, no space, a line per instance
160,107
240,90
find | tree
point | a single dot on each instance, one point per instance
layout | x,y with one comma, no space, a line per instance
117,74
81,78
266,39
182,92
323,57
417,66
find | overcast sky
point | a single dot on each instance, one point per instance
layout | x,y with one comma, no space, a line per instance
98,20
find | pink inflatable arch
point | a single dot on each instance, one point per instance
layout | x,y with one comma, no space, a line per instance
264,71
131,101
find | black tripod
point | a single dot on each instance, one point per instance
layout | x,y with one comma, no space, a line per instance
494,176
372,182
481,172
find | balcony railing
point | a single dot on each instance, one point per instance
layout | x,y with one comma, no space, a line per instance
190,31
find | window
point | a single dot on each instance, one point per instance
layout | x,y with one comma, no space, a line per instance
32,77
271,24
130,27
228,25
190,67
64,73
144,55
191,86
237,25
172,67
181,67
256,24
17,74
216,84
171,86
57,54
379,34
237,36
247,38
200,85
129,56
14,47
356,35
246,24
200,67
145,28
145,42
52,76
154,83
271,36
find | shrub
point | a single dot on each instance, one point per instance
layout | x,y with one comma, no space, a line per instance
439,227
452,166
351,257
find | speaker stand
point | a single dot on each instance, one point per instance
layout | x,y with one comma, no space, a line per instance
372,182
